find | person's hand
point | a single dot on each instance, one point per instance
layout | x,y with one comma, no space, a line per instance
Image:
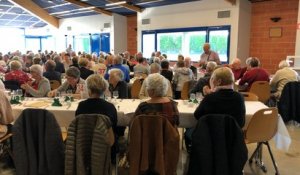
25,86
206,90
51,93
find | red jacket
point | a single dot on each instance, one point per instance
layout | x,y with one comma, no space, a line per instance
255,74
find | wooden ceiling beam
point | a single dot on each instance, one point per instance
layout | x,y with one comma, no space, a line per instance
34,9
233,2
128,6
96,9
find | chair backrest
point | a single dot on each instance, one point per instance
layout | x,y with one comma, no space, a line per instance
289,102
54,84
218,146
187,86
249,96
37,137
135,88
12,84
153,146
88,145
262,89
262,126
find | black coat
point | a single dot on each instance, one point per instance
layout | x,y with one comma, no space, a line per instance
218,147
223,101
289,102
37,144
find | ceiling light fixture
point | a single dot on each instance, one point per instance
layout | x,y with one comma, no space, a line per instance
116,3
148,2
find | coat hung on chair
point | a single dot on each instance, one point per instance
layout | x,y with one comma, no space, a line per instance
218,147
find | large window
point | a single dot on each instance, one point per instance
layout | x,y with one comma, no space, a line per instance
12,39
187,41
36,43
82,43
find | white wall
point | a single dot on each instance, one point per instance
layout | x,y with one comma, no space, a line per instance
194,14
119,34
297,49
244,29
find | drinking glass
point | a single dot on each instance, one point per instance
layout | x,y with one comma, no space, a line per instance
199,96
115,95
192,97
19,93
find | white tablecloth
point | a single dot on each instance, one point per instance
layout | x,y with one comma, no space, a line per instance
126,108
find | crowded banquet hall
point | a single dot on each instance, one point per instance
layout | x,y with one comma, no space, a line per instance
149,87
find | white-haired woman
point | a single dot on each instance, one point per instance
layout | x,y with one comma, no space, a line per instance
223,99
116,83
157,87
281,77
96,86
40,86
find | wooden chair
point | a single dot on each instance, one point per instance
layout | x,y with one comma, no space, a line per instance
185,91
249,96
262,89
261,129
135,88
54,84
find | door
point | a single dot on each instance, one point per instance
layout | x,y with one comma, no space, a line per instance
105,42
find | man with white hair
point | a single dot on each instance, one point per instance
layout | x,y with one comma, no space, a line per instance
208,55
237,69
281,77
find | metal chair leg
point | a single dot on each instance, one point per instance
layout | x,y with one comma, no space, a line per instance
272,157
255,152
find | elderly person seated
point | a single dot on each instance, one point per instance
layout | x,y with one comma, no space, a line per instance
6,115
154,68
84,71
182,74
118,64
40,86
159,103
165,70
222,100
188,64
141,68
16,73
116,83
281,77
253,73
50,72
73,84
96,86
204,81
237,69
59,65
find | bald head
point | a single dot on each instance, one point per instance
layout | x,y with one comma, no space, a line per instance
187,61
206,47
236,63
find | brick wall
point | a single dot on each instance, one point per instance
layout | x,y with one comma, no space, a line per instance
132,34
269,50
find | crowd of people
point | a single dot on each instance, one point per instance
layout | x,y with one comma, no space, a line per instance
92,76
